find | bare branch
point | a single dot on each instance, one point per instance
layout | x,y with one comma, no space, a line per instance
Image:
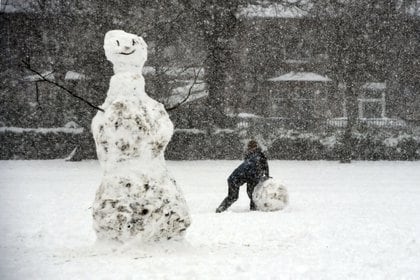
43,78
189,92
37,92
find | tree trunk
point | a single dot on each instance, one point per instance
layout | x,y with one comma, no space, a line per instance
350,98
219,25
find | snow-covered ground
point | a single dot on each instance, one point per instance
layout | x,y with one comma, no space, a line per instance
345,221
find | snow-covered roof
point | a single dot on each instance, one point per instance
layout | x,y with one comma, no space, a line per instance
374,86
43,130
266,9
176,99
190,130
34,78
198,91
270,9
176,71
15,6
300,76
248,116
414,9
71,75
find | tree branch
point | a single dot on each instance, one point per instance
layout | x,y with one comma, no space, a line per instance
189,92
37,92
43,78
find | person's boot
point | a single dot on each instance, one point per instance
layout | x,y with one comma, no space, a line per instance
223,206
220,209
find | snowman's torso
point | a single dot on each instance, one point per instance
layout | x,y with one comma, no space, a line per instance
133,126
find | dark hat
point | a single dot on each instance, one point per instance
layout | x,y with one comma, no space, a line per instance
252,144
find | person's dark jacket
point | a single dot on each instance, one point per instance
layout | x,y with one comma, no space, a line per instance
253,168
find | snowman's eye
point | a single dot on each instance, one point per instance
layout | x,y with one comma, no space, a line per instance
118,43
134,42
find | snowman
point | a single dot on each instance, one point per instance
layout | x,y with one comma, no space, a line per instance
137,198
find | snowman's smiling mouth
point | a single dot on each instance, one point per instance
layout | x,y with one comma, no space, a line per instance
123,53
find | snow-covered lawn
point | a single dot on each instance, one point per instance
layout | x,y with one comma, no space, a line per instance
345,221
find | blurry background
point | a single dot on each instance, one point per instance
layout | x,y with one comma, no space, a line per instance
308,80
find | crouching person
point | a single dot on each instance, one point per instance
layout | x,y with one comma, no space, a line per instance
251,171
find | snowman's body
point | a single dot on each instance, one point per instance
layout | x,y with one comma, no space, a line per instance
137,198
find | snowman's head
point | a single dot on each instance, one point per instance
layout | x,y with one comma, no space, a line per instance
127,52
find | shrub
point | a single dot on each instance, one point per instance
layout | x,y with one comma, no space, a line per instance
34,145
297,149
198,144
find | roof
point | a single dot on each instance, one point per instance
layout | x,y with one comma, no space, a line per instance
177,72
34,78
374,86
271,10
197,88
300,76
15,6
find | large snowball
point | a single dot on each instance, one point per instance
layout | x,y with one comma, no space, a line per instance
270,195
136,205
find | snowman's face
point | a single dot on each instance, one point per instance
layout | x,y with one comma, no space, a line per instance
126,49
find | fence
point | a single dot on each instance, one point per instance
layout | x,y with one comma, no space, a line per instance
379,122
